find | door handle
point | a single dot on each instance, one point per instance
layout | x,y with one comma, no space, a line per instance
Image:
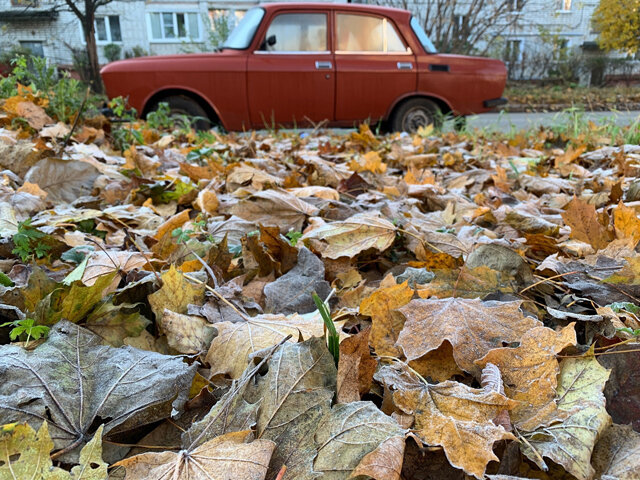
323,65
405,66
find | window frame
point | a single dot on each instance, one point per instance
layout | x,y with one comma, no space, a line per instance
107,29
297,52
175,13
385,21
563,5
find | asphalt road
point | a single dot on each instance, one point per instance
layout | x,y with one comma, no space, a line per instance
506,122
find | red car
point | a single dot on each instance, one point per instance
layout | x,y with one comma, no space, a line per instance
295,64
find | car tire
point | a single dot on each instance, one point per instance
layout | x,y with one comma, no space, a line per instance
416,113
183,105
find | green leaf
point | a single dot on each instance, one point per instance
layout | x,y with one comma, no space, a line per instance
77,272
5,281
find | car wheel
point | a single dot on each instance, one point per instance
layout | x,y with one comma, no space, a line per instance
183,105
416,113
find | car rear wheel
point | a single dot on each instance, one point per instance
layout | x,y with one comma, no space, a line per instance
416,113
182,105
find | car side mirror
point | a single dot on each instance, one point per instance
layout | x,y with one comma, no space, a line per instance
270,41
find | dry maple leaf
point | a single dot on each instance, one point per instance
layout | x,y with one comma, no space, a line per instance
227,456
583,220
626,224
570,441
617,453
354,235
473,327
458,418
385,326
530,372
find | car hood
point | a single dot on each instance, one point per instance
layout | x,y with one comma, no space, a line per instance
144,63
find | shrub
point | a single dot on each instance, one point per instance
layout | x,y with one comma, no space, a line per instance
136,51
112,52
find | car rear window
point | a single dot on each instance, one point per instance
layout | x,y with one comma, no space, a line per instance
241,36
426,42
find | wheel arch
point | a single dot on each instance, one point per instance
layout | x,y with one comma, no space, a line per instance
442,104
158,96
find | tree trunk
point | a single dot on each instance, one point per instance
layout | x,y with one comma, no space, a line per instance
92,53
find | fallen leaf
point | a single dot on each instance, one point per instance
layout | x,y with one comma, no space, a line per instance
626,224
63,180
583,220
227,456
616,454
175,294
354,235
386,326
384,463
530,371
75,380
355,368
275,208
186,333
473,327
459,419
570,442
33,449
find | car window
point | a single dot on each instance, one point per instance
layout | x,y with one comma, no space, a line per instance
297,32
426,42
241,36
364,33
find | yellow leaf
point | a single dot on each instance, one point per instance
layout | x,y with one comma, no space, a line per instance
627,224
386,326
175,294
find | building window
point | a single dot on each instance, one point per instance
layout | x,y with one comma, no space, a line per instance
108,29
222,22
460,26
174,26
513,51
36,48
515,5
563,5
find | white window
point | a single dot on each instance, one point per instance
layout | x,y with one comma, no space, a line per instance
363,33
174,26
563,5
515,5
108,29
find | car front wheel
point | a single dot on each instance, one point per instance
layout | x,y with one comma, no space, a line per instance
416,113
182,105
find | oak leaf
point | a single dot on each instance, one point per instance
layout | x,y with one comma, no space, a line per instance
473,327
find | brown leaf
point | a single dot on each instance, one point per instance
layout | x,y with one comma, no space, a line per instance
384,463
473,327
583,220
458,418
616,454
530,371
226,456
355,368
275,208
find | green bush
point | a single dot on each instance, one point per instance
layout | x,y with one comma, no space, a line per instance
112,52
136,51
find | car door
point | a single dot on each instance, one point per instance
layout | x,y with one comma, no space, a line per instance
291,77
374,66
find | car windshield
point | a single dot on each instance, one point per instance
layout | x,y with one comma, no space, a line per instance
241,36
422,36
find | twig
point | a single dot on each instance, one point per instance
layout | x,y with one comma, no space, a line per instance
219,295
135,244
544,280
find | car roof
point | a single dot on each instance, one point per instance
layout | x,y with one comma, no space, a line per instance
356,7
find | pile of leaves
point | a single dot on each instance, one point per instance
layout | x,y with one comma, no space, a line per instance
308,305
535,98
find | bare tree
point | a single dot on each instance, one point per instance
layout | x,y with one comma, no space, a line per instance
85,10
462,26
